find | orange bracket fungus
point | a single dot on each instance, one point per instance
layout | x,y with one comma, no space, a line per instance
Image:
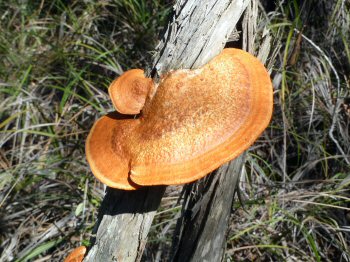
192,122
77,255
128,92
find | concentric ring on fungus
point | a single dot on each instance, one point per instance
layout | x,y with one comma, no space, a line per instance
191,123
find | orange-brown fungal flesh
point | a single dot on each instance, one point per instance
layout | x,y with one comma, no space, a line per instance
77,255
129,91
196,121
106,154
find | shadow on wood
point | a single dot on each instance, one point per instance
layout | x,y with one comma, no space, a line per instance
138,201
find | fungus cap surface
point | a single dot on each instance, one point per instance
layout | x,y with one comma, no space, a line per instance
196,121
77,255
129,91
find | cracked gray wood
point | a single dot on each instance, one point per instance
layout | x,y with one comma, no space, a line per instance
202,228
196,33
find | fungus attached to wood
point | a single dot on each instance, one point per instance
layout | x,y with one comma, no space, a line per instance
196,121
129,91
77,255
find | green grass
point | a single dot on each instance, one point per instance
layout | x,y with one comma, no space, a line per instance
294,189
58,58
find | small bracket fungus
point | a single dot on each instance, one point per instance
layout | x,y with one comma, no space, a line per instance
77,255
129,91
195,121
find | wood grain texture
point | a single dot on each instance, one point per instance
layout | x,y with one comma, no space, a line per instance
124,220
202,228
197,32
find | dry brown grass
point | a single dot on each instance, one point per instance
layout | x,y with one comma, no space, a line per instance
58,58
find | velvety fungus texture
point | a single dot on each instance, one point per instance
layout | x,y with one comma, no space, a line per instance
192,122
77,255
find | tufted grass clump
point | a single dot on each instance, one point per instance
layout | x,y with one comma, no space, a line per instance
57,60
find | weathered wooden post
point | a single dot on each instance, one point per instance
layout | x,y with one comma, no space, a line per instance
197,31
